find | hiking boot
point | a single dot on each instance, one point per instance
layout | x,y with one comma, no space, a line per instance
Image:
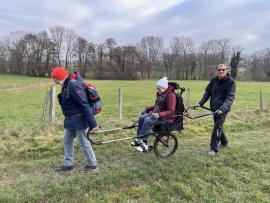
87,168
63,168
222,146
143,147
211,152
136,142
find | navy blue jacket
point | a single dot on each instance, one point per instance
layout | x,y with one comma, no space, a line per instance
75,107
222,93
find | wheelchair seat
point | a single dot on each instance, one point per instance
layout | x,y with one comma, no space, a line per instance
165,127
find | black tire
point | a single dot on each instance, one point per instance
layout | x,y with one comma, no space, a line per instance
165,145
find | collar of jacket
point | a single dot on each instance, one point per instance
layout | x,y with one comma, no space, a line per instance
66,81
223,79
168,90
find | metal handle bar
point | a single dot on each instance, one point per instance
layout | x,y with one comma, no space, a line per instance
196,107
134,125
120,139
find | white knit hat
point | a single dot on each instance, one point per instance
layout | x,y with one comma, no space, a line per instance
162,83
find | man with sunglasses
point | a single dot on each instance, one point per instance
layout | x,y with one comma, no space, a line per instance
221,91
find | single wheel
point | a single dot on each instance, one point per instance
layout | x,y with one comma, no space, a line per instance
165,145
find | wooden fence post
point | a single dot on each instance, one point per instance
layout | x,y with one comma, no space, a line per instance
188,98
261,104
120,102
52,104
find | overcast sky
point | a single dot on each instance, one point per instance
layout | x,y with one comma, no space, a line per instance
244,22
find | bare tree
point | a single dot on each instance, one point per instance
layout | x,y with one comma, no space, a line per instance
205,49
125,58
57,36
85,53
110,44
3,57
168,61
181,48
100,59
224,45
81,49
187,48
16,48
266,62
176,58
69,43
150,48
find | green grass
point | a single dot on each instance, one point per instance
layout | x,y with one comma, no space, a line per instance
16,81
28,153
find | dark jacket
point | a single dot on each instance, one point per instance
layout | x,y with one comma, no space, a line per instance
221,93
165,105
75,107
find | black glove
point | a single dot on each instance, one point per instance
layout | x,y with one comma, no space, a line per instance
59,96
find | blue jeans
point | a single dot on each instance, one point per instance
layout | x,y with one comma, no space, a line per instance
145,123
85,146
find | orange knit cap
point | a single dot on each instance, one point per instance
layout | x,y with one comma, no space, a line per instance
59,73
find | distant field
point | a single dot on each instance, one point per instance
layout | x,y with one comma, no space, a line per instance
23,107
28,153
11,81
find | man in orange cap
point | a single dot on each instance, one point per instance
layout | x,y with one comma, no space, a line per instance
78,118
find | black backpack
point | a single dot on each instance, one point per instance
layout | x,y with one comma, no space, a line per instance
179,104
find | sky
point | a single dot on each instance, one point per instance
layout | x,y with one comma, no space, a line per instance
244,22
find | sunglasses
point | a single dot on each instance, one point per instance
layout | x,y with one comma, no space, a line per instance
221,70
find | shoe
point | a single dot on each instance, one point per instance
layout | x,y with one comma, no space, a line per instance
143,147
87,168
211,152
136,142
222,146
64,168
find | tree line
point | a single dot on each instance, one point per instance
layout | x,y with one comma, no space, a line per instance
35,54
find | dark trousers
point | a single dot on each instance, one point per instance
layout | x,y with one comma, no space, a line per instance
218,134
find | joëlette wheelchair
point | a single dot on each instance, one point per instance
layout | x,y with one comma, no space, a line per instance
165,142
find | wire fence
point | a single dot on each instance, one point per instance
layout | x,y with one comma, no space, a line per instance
261,103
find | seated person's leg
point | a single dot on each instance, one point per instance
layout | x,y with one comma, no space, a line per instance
147,124
141,121
136,141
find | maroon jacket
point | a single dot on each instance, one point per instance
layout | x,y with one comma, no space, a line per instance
165,105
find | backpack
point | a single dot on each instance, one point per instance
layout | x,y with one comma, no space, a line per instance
179,110
92,95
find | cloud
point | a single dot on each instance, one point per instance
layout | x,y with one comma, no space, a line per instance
245,22
249,38
146,7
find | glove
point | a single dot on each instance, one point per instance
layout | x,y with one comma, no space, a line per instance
155,115
59,96
218,112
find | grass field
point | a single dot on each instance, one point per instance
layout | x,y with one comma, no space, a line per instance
28,153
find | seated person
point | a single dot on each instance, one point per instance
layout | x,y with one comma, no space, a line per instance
165,106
